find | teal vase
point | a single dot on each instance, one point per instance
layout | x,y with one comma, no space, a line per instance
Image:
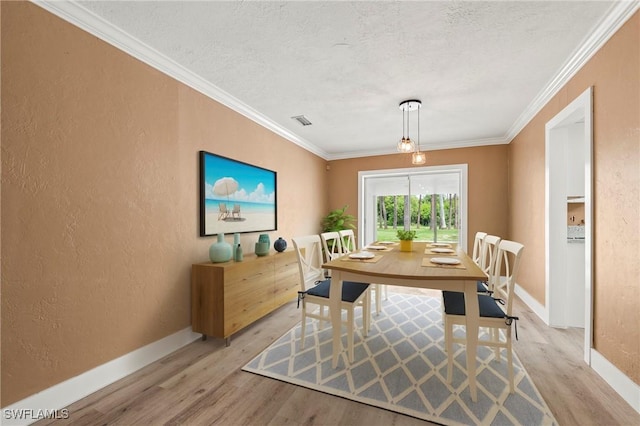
264,238
238,255
262,249
236,243
221,251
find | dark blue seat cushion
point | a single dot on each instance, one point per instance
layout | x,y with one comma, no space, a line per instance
454,305
482,287
350,290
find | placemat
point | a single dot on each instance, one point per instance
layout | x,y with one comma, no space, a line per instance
426,261
372,260
432,253
386,248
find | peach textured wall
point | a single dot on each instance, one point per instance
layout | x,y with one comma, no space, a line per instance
614,73
100,198
487,191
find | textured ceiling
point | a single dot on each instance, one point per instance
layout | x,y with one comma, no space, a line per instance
476,66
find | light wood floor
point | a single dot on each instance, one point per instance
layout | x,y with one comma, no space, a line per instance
202,384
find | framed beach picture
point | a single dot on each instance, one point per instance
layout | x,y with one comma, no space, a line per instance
236,196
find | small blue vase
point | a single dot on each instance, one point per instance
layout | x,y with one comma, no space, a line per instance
280,245
221,251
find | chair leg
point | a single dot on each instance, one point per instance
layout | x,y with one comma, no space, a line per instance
444,323
448,343
366,314
495,337
304,324
378,290
321,325
510,360
350,327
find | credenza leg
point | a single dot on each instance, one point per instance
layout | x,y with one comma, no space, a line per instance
204,337
227,341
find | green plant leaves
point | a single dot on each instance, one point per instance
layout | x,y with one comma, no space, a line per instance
406,235
337,220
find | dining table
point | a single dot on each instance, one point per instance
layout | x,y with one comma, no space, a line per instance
425,266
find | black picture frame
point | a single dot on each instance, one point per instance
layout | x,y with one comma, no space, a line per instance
236,196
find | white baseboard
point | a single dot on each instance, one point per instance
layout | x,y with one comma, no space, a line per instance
621,383
532,303
54,399
51,401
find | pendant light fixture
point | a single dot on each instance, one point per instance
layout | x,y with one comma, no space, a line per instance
406,145
418,157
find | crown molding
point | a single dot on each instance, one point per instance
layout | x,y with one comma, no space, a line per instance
79,16
618,14
88,21
437,146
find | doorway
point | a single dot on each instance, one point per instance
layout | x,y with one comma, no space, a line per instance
569,218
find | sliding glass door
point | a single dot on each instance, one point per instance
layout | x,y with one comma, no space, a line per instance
430,200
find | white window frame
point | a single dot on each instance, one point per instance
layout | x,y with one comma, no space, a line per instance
364,237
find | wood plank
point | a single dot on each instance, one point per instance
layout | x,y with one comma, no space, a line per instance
228,296
248,292
395,264
218,392
287,278
207,299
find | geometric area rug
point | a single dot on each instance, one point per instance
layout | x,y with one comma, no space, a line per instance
401,366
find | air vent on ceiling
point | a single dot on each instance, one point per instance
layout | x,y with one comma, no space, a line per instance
302,120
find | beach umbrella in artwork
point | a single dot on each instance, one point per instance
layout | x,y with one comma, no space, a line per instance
225,186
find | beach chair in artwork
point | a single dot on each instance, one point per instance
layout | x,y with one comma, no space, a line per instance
235,213
223,212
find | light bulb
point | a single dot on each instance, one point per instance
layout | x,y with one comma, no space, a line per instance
418,157
406,145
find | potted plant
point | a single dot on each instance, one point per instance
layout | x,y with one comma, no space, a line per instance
337,220
406,238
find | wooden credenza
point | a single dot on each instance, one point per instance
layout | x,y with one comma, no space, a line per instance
226,297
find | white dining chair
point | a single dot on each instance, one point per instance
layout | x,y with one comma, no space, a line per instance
348,241
496,311
332,245
478,246
315,290
488,261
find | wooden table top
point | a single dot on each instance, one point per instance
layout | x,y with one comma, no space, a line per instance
408,265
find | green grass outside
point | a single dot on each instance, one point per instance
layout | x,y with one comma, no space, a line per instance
422,234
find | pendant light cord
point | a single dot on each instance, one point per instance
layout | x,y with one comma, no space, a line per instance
408,122
418,128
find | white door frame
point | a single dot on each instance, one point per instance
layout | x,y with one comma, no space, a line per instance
555,212
461,169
